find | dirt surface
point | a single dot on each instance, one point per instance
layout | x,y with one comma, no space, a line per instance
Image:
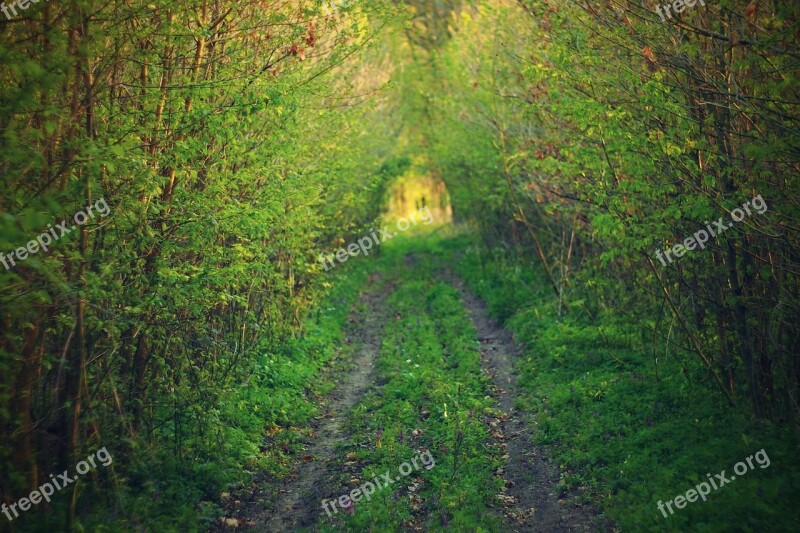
531,501
295,502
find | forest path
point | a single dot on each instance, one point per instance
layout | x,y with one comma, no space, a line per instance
530,500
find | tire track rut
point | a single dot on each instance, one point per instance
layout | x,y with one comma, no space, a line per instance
531,501
294,503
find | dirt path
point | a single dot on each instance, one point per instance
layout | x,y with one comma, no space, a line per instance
531,501
295,502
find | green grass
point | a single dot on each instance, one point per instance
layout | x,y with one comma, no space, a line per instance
623,438
275,402
432,397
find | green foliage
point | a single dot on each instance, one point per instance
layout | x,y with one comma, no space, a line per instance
236,142
173,329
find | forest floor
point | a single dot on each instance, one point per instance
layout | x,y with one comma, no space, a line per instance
527,415
525,482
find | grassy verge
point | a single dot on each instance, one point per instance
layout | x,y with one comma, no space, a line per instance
624,436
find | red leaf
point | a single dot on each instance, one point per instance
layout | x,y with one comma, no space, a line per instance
751,11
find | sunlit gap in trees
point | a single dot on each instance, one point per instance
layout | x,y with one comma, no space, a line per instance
413,191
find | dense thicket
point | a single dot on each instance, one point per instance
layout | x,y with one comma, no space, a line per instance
235,142
226,140
595,134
